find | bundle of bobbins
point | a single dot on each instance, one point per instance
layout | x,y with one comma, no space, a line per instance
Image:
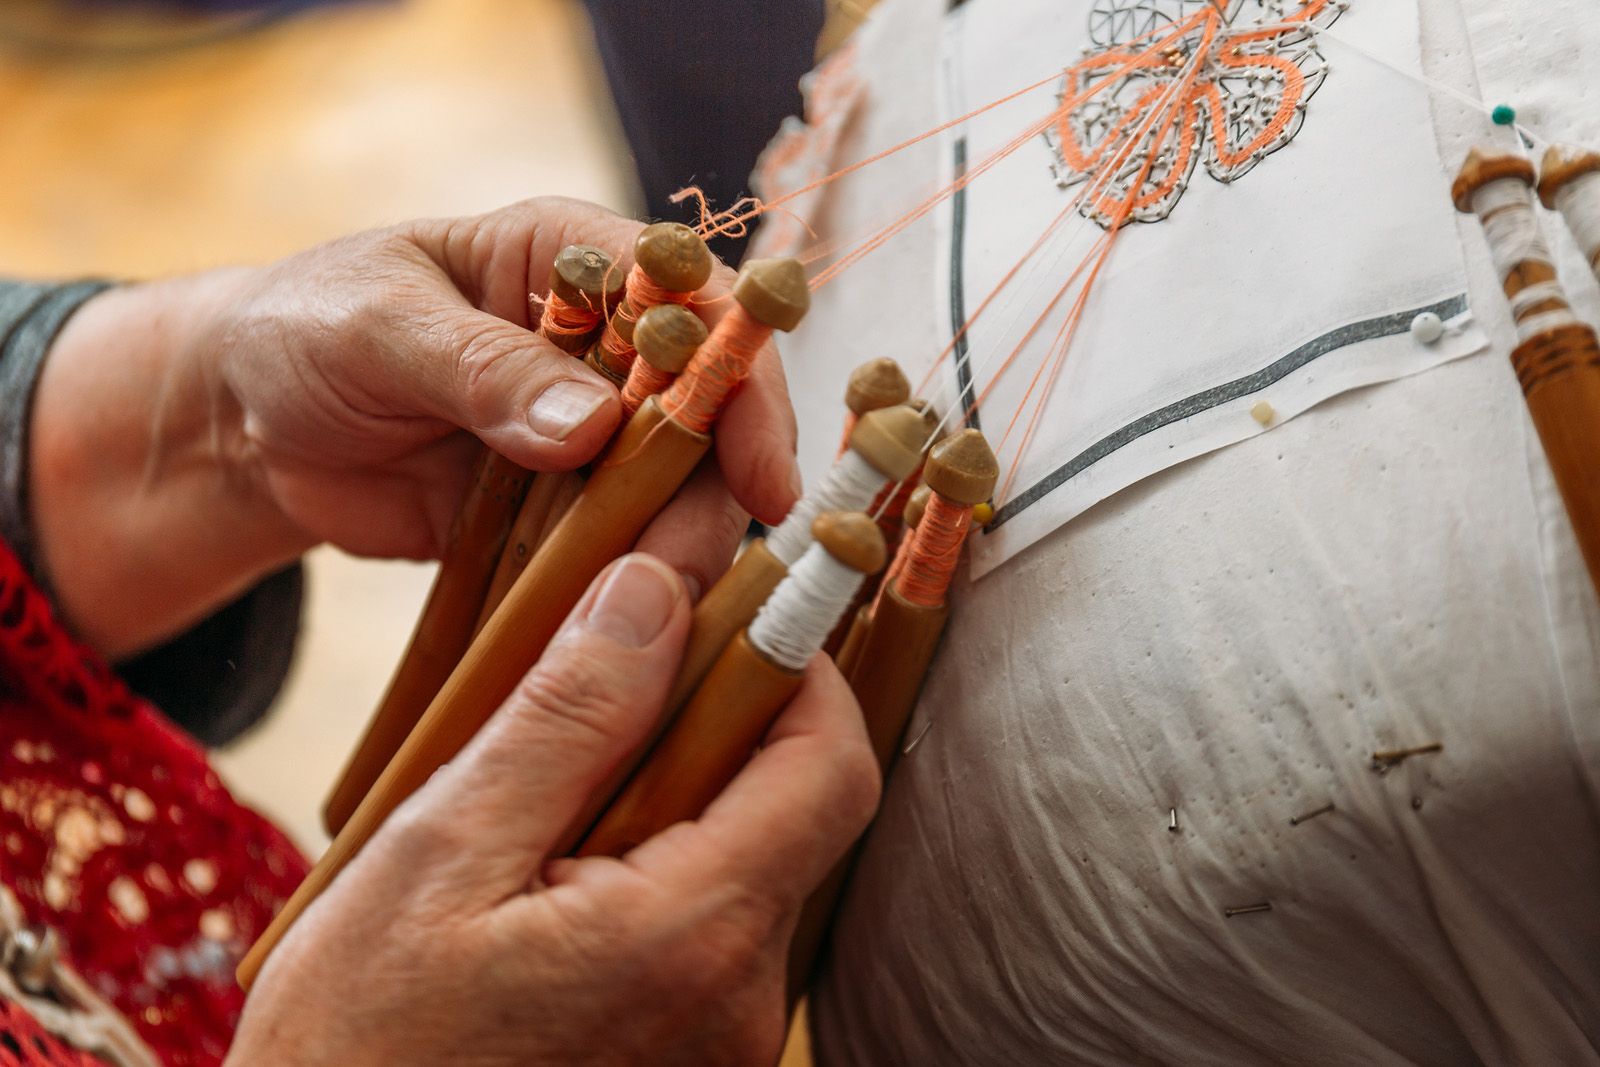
1557,361
666,337
885,446
646,464
670,264
1569,182
898,640
752,680
584,284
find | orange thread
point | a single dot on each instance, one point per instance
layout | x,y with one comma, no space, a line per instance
614,353
850,420
644,381
717,369
936,543
560,321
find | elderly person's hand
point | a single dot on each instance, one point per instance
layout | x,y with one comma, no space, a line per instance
455,937
191,435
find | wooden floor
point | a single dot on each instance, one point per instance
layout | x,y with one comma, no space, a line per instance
123,157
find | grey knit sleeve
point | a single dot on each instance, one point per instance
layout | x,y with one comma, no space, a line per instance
219,678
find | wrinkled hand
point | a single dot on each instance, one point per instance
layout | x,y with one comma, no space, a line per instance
192,434
354,364
456,938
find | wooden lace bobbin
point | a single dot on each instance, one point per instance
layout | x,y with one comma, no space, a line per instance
1558,360
900,641
665,337
585,287
1569,182
645,465
443,631
878,383
889,509
746,689
670,263
884,447
584,284
861,619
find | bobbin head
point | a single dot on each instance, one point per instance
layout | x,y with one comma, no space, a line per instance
1482,167
878,384
1560,165
586,277
774,292
852,538
890,440
667,335
930,417
674,256
915,506
962,468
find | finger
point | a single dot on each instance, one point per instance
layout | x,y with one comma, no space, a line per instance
699,530
791,813
493,373
489,820
523,396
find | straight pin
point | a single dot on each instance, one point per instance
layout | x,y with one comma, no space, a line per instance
1296,820
1247,909
1391,758
1172,821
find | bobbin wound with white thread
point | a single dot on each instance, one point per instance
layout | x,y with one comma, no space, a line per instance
751,682
1498,188
1558,360
1569,182
884,447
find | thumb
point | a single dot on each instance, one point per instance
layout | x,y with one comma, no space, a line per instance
495,813
524,397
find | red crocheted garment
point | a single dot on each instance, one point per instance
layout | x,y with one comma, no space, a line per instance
115,831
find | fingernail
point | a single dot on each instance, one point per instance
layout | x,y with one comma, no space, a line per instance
636,601
565,406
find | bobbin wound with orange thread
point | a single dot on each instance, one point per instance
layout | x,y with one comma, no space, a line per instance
751,682
860,620
665,337
670,264
1557,361
648,461
585,287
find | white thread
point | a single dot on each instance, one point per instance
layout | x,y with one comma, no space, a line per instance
1534,325
1533,295
849,485
797,618
1506,207
1579,203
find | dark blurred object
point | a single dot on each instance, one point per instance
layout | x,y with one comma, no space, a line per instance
100,30
701,87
